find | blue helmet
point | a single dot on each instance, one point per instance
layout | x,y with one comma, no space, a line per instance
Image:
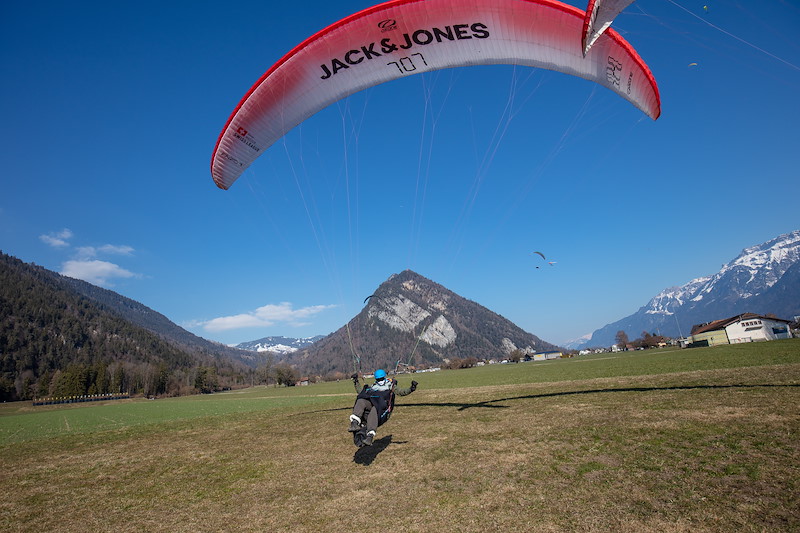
380,374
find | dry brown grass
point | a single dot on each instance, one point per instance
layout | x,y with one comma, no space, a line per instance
695,451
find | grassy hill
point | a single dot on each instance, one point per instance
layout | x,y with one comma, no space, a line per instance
702,440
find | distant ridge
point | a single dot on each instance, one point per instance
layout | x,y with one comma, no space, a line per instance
278,345
762,279
153,321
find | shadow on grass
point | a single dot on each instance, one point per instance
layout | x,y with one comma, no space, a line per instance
491,404
366,454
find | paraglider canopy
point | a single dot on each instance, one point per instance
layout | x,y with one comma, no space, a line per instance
599,16
404,37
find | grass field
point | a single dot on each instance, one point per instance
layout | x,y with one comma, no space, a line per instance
684,440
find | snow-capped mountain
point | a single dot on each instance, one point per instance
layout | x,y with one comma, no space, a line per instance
762,279
575,344
279,345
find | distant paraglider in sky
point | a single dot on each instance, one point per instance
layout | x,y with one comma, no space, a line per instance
540,254
400,38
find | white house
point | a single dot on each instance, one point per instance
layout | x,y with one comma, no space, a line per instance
542,356
747,327
750,327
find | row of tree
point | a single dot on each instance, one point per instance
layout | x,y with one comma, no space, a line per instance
270,372
80,379
459,362
647,340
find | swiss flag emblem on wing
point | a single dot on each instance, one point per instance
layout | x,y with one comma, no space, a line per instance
241,131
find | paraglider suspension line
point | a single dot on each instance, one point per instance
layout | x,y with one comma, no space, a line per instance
356,358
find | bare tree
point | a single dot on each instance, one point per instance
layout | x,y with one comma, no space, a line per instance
286,375
622,339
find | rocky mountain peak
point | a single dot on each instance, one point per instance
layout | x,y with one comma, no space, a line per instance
410,318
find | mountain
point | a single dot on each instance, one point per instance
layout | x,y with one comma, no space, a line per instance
763,279
413,320
575,344
64,336
153,321
279,345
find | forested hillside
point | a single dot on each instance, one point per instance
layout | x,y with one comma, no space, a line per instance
155,322
56,341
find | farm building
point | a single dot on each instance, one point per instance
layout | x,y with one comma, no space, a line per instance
541,356
747,327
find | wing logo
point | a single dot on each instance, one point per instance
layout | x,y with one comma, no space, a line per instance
246,138
387,25
422,37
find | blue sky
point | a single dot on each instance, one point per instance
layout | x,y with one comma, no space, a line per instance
111,112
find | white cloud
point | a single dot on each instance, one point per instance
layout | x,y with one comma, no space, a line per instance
84,264
115,249
95,271
58,239
87,252
265,316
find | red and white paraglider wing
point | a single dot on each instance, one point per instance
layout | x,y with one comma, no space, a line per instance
598,17
405,37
